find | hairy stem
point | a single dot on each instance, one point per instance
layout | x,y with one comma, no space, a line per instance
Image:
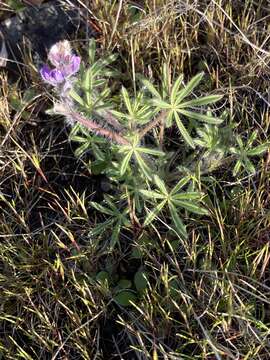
107,115
91,125
160,118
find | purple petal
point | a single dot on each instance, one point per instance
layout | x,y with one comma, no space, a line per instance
72,67
53,77
45,72
57,76
76,62
56,59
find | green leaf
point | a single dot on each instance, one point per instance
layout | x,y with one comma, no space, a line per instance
175,88
183,130
101,208
77,97
165,78
115,235
252,138
124,298
240,142
100,228
201,101
249,166
161,185
152,194
180,227
109,59
145,169
140,281
190,207
169,118
126,100
189,87
233,150
102,277
161,104
151,88
237,167
150,151
258,150
200,117
81,149
152,214
187,196
125,163
87,84
180,184
98,166
124,284
92,51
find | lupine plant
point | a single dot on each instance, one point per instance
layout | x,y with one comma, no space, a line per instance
130,138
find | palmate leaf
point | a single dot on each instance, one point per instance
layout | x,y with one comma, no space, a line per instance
185,200
244,151
136,150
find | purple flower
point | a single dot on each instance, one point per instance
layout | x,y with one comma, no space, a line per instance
71,66
66,64
59,53
52,76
